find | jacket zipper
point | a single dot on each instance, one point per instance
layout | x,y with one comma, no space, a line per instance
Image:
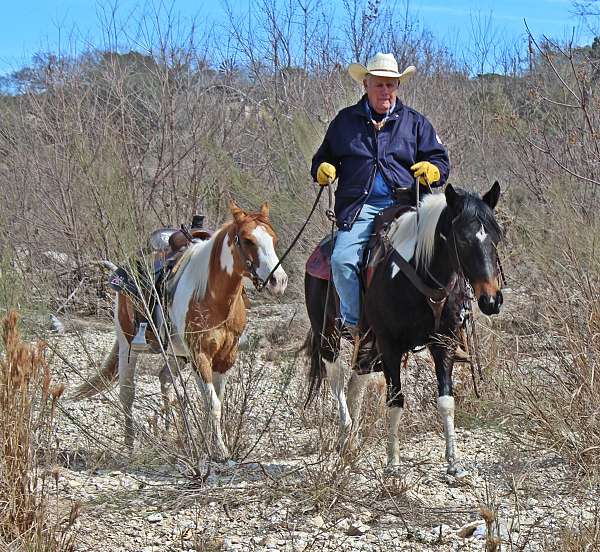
371,178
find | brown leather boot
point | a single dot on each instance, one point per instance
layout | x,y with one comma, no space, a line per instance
460,355
366,357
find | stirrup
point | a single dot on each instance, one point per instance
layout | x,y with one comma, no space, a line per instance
139,343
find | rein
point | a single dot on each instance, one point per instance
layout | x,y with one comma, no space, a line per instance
258,282
437,297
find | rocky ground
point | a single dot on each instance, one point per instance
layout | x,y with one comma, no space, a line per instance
287,487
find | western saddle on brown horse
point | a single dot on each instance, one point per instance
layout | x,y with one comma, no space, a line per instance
166,247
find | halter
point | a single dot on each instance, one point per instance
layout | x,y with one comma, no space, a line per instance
500,270
256,279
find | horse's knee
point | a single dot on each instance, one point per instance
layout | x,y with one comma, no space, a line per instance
395,398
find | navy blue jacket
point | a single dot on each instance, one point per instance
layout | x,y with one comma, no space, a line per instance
357,151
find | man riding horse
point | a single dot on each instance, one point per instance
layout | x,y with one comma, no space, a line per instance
376,148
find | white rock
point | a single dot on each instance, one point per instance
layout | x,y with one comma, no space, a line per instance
317,521
56,324
441,531
480,532
155,518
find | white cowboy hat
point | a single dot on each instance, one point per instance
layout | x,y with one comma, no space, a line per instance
380,65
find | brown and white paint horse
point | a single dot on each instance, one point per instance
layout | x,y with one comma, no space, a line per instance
207,315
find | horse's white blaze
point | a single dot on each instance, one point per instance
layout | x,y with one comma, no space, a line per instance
192,282
227,256
481,234
393,440
395,270
267,259
418,243
445,405
335,374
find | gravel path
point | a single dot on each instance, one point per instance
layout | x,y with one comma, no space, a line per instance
288,488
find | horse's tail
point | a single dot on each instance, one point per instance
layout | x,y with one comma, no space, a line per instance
318,303
317,371
103,380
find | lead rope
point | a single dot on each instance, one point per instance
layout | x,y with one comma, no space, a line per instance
330,214
263,283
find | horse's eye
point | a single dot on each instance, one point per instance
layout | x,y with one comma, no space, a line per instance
247,242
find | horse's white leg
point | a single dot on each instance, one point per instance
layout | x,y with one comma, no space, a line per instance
445,405
393,448
336,376
213,405
127,361
164,376
356,390
219,381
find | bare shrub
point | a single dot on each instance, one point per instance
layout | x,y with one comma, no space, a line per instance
28,400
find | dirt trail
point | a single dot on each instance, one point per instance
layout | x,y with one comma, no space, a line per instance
292,491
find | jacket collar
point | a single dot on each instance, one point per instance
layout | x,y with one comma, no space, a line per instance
359,108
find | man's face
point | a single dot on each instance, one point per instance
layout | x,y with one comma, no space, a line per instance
381,92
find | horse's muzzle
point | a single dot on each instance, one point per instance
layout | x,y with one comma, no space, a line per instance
490,304
277,283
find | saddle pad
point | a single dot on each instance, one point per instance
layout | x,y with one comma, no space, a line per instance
122,281
319,262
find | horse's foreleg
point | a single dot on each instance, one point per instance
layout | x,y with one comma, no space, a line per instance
204,378
356,390
336,376
219,381
392,357
443,357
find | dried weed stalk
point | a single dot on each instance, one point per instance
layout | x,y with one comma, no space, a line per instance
28,400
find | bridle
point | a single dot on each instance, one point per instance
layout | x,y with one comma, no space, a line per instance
257,281
459,265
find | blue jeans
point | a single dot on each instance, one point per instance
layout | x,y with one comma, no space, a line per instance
346,259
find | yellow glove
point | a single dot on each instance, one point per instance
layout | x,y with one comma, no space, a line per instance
325,174
427,172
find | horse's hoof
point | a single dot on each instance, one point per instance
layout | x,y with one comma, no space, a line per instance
457,471
392,470
220,457
219,453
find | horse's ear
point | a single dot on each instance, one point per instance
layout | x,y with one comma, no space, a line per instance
264,210
237,213
491,197
452,198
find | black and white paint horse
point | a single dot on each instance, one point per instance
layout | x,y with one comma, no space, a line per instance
453,239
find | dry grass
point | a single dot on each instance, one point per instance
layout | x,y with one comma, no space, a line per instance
28,399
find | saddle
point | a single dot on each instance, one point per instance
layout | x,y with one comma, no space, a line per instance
318,264
168,244
148,286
